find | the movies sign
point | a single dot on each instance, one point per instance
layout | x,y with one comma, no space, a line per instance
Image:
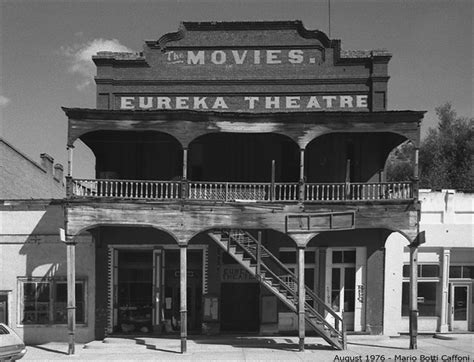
244,57
247,103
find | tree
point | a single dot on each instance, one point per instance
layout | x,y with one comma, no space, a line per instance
446,154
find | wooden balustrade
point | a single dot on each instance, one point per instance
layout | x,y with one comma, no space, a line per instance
241,191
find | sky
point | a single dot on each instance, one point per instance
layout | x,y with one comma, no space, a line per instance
45,50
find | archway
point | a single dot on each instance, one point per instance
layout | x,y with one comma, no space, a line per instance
243,157
358,157
138,155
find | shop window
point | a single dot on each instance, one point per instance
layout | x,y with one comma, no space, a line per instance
461,271
426,298
45,301
289,257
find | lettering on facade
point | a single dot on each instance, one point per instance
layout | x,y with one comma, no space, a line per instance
245,57
247,103
360,293
236,274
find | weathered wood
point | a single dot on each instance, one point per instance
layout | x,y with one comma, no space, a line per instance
183,302
301,298
413,296
186,126
183,220
71,294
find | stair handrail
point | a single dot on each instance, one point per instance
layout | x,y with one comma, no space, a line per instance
308,290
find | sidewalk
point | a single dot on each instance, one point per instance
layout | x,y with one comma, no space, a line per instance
261,348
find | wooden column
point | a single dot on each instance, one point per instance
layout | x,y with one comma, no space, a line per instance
71,293
416,173
69,160
185,163
301,298
183,284
302,181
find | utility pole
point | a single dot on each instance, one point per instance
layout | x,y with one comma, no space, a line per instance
420,239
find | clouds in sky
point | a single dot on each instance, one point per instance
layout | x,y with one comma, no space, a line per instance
4,101
80,57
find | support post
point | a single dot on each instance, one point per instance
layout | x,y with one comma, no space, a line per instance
302,180
69,160
301,298
272,184
443,328
185,163
413,295
348,180
71,293
183,303
416,176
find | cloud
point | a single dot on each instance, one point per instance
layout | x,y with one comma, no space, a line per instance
80,57
4,101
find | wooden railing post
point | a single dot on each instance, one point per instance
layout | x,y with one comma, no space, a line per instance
69,186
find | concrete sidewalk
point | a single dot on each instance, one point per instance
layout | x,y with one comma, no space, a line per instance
458,347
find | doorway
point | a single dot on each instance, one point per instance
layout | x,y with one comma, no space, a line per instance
240,307
134,291
459,302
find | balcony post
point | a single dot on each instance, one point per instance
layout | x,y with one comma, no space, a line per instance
183,281
302,183
185,163
416,173
69,160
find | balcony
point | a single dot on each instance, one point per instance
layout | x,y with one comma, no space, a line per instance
239,191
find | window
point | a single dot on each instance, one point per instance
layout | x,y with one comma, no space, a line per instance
343,256
288,257
426,298
45,301
428,284
461,271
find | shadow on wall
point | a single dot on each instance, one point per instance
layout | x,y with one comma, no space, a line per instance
40,299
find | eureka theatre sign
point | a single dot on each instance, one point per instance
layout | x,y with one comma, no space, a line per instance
247,103
258,62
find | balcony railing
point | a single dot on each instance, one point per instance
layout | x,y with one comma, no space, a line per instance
240,191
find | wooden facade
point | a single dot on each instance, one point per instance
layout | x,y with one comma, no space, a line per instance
250,126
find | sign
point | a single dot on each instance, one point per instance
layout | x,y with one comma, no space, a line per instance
301,103
244,57
235,274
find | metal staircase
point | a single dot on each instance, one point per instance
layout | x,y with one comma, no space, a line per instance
278,279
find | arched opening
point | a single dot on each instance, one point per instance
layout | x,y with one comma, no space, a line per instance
138,155
237,157
354,157
129,289
399,165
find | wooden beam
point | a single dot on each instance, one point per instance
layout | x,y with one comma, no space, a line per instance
183,303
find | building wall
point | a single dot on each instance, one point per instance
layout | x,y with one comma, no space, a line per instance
22,178
30,248
447,217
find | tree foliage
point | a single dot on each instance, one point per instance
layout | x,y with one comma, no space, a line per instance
446,154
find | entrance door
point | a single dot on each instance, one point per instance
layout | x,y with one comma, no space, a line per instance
240,307
459,307
135,300
343,293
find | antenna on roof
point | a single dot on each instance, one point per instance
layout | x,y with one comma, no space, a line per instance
329,16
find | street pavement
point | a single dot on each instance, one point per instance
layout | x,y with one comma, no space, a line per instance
361,348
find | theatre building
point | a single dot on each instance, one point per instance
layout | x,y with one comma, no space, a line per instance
239,186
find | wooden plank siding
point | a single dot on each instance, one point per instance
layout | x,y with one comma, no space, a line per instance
183,220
